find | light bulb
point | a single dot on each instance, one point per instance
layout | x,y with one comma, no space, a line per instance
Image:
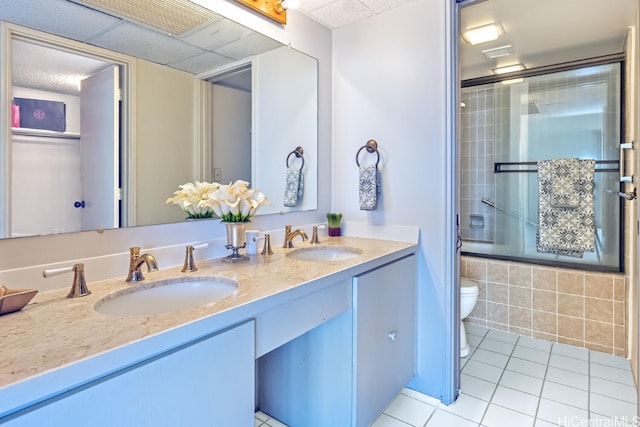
290,4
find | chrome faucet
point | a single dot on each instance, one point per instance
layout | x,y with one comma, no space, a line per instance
135,262
289,235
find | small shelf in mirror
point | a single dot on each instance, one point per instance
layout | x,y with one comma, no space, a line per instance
44,133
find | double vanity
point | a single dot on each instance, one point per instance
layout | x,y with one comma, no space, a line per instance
316,335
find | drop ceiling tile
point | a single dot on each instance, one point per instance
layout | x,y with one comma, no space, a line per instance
247,46
145,43
380,6
309,5
201,63
58,17
341,13
217,34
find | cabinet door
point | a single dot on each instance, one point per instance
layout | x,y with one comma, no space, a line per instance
384,331
208,382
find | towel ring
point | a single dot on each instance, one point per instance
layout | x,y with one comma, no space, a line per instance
372,147
299,154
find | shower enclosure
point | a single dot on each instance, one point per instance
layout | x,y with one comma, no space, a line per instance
507,126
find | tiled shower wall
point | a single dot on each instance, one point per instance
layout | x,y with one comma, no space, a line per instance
480,116
581,308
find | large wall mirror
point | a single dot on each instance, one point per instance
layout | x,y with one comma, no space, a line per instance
166,135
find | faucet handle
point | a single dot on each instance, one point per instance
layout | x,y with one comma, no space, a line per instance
189,265
79,284
314,235
134,251
266,250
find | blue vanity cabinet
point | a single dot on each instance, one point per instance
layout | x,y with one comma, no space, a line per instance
209,381
384,333
346,370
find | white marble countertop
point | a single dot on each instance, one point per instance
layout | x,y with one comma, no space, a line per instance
53,331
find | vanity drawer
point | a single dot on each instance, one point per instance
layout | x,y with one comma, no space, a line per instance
288,321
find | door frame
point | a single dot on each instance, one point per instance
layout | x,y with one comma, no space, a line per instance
9,32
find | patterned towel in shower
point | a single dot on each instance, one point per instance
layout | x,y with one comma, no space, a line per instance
565,183
565,230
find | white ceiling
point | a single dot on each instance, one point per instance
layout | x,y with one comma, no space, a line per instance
212,45
338,13
546,32
576,29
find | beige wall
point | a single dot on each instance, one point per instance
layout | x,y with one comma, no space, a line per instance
581,308
164,139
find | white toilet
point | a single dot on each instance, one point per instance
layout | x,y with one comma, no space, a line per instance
468,298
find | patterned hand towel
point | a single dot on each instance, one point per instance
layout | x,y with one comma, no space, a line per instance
294,187
565,175
566,231
369,187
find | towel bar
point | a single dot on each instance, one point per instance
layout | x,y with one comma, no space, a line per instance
505,167
298,152
372,147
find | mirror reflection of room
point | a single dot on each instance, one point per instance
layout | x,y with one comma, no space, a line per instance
65,140
172,97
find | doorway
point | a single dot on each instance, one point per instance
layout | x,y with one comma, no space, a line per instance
70,167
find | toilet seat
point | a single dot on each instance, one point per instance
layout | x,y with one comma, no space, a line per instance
468,287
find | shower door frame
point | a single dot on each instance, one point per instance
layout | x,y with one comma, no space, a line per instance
601,60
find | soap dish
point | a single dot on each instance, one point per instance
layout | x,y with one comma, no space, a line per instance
14,299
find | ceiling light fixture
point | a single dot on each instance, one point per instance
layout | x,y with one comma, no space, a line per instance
508,69
512,81
482,34
498,52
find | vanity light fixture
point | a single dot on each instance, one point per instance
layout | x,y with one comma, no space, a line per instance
483,34
283,5
274,9
508,69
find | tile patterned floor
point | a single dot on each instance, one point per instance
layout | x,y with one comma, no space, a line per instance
263,420
510,380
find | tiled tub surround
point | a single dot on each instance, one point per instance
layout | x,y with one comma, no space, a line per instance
54,331
580,308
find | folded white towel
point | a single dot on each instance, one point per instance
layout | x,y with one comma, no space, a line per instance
294,187
369,187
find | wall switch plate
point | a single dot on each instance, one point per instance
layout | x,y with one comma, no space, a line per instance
217,174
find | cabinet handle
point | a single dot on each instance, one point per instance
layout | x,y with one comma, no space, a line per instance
392,335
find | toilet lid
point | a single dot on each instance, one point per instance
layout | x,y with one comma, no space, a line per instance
468,286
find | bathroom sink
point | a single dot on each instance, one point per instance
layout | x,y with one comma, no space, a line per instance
325,253
164,296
